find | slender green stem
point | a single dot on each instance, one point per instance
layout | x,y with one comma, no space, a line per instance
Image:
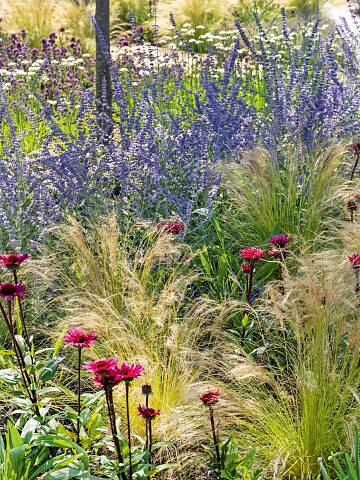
216,442
127,385
79,398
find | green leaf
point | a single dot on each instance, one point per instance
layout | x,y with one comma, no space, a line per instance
245,320
48,371
10,376
17,458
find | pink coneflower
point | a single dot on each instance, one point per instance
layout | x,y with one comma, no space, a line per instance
13,260
147,412
79,337
210,398
246,267
107,379
106,376
275,253
354,259
171,227
129,372
102,365
9,291
280,240
106,372
252,253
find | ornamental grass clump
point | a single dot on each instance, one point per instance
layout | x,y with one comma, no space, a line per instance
297,192
131,289
298,397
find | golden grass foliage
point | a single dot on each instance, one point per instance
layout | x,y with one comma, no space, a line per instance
40,17
133,298
307,406
297,194
296,397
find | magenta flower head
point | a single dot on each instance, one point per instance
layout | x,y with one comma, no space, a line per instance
354,260
80,338
129,372
9,291
355,148
252,253
102,365
353,203
146,390
275,253
12,261
171,227
210,398
246,267
106,372
147,412
280,240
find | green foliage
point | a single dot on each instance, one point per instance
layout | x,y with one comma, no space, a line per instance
233,462
296,194
265,10
28,454
345,466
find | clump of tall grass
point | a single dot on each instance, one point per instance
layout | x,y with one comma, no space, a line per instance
135,299
297,398
297,194
37,17
209,14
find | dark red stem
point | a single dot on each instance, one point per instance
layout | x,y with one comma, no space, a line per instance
112,418
127,385
79,398
216,442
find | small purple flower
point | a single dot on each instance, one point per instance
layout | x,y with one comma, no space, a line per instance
280,240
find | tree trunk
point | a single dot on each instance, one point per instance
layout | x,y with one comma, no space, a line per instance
103,79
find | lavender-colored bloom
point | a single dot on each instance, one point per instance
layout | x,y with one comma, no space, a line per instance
160,160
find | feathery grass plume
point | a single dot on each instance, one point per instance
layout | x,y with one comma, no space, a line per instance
130,288
38,17
75,18
208,13
296,195
122,10
300,399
